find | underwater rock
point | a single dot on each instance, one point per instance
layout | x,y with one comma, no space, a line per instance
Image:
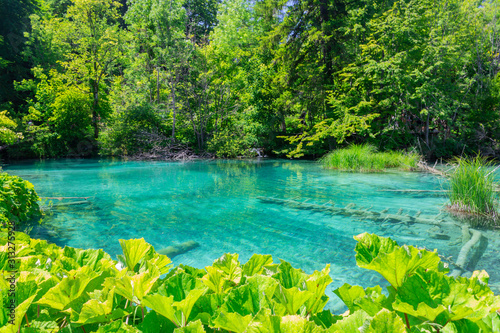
175,250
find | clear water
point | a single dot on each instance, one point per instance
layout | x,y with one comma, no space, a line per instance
216,204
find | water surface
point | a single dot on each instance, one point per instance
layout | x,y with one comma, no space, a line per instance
216,203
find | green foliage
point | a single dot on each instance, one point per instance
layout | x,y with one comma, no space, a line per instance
471,188
66,289
18,199
7,135
126,128
365,158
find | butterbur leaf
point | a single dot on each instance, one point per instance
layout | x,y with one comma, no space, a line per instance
21,309
316,284
69,289
134,287
490,323
359,321
233,322
386,321
180,284
288,276
186,305
292,298
214,279
256,264
154,323
117,327
394,263
192,327
231,267
349,294
97,311
162,305
298,324
134,250
325,318
264,322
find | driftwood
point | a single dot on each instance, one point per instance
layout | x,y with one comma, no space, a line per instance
350,210
64,198
461,261
413,191
71,203
424,167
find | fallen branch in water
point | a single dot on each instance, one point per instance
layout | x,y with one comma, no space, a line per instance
64,198
461,262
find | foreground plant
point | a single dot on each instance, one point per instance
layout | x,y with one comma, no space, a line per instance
472,189
18,199
366,158
71,290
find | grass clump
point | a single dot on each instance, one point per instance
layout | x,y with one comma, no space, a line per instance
366,158
472,190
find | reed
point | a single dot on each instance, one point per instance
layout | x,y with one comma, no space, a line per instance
366,158
471,189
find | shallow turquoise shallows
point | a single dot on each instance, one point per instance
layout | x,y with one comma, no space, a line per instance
219,205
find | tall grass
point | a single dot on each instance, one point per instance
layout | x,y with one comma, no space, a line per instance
472,188
365,158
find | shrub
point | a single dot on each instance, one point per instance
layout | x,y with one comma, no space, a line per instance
471,188
123,135
365,158
18,199
68,290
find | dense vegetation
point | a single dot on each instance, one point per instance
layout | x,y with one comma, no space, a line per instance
80,77
472,189
366,158
18,200
67,289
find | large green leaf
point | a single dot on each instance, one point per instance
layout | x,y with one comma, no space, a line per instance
214,279
69,289
394,263
292,298
386,321
100,311
357,322
250,298
231,267
256,264
192,327
134,287
288,276
298,324
20,310
316,284
233,322
134,250
162,305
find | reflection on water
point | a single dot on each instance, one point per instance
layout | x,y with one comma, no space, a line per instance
215,203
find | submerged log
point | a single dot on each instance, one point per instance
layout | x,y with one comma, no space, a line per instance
72,203
350,210
64,198
175,250
461,262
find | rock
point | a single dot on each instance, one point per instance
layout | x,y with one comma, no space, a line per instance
175,250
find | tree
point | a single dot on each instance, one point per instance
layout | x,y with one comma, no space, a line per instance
96,39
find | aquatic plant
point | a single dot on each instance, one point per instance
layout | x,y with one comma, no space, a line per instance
18,199
366,158
471,190
68,290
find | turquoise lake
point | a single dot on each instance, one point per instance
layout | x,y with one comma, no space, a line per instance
219,205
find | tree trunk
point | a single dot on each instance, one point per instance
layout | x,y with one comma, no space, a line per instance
174,114
95,115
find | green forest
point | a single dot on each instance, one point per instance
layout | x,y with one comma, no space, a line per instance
158,78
